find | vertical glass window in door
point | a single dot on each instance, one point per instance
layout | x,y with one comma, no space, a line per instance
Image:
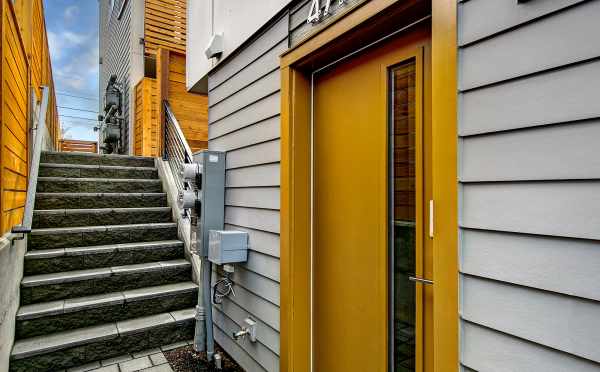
403,210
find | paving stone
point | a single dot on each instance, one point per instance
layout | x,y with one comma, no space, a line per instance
111,368
146,352
85,367
160,368
158,359
115,360
135,364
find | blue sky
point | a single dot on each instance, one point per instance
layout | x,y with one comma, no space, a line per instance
72,27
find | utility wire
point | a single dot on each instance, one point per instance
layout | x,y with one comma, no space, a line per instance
74,95
78,117
73,108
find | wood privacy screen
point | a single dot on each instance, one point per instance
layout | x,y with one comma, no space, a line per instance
190,109
146,128
69,145
164,25
23,34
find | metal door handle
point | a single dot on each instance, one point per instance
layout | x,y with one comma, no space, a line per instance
420,280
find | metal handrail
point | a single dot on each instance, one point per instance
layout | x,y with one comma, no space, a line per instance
25,226
176,150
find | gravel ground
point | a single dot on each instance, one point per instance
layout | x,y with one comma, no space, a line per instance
185,359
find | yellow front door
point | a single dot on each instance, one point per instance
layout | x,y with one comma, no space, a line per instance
371,185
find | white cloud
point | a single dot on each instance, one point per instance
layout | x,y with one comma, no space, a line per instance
71,12
74,38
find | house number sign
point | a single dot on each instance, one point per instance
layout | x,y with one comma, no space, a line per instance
316,15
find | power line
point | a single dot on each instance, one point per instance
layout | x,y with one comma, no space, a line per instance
77,96
78,117
72,108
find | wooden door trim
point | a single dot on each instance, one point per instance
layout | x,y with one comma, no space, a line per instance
295,187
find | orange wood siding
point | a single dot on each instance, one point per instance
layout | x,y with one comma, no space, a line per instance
190,109
146,128
25,64
70,145
164,25
14,109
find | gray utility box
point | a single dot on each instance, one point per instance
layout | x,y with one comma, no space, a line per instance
211,190
227,247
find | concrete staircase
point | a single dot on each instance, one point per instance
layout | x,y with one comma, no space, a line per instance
104,273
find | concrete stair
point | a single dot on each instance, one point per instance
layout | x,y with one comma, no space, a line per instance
105,272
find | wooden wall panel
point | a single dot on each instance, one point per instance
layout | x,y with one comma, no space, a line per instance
190,109
13,109
146,128
164,25
25,66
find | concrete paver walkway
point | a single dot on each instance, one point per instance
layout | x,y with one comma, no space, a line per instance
152,360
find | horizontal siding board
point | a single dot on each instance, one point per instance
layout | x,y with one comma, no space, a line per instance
483,349
249,53
260,219
265,108
561,265
567,151
260,241
257,197
266,152
548,43
262,131
257,284
256,176
257,306
545,208
265,64
265,335
259,89
233,349
259,352
262,264
481,18
559,96
561,322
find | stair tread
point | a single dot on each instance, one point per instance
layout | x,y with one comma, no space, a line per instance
93,155
93,166
42,309
96,179
99,210
98,273
62,340
119,247
70,230
109,194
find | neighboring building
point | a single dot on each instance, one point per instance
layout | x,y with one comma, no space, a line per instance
437,140
132,36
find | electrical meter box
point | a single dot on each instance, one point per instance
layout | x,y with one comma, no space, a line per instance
227,247
211,194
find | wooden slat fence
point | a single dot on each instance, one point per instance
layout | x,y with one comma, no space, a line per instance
71,145
164,25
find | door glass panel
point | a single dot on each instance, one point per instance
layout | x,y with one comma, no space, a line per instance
403,211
